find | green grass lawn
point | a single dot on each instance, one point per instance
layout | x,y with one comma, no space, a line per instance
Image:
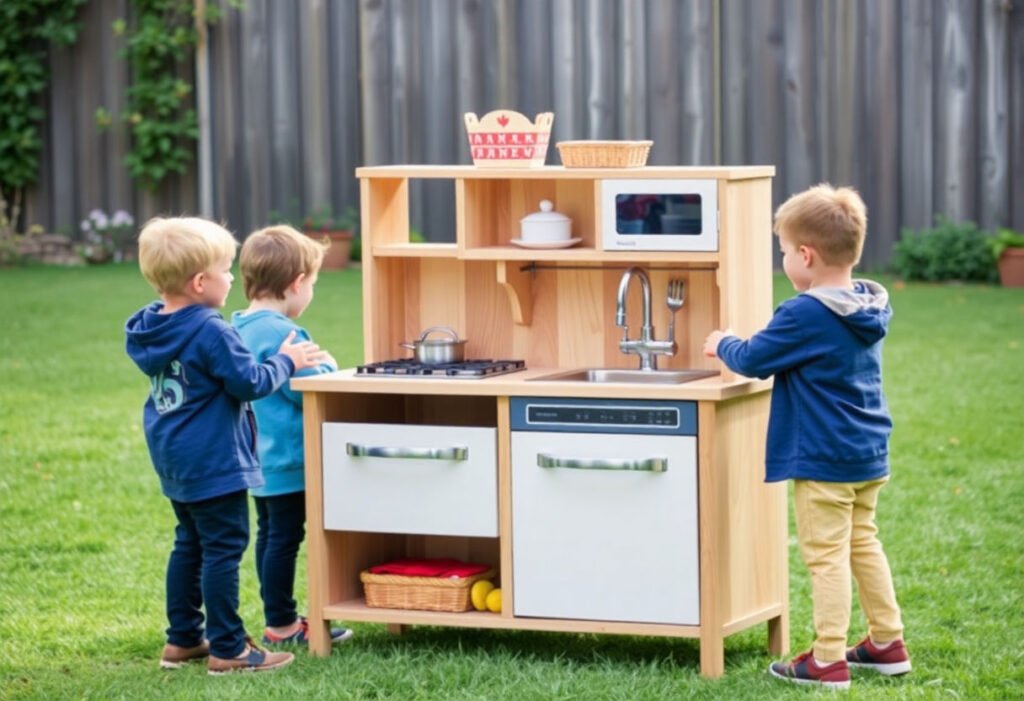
85,533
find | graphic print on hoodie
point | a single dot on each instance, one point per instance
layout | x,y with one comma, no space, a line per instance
829,420
197,420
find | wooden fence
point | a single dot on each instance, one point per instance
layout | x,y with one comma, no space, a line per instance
917,103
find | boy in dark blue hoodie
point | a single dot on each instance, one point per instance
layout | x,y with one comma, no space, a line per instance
201,433
829,428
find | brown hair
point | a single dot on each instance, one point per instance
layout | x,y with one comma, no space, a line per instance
833,221
273,257
173,250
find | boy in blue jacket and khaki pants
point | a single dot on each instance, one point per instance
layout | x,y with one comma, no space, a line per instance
828,429
202,435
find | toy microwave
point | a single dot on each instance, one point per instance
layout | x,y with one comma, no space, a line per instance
659,215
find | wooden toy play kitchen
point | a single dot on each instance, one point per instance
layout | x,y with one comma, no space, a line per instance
584,447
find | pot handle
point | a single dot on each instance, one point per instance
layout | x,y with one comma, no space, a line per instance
444,329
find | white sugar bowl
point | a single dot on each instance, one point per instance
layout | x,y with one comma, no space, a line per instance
545,226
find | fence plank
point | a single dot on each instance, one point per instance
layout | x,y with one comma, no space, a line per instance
993,115
955,97
634,116
736,60
917,138
599,78
1015,71
879,127
800,94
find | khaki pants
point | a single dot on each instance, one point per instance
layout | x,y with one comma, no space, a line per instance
838,537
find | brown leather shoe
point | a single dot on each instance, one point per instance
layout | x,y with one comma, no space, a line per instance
254,659
175,656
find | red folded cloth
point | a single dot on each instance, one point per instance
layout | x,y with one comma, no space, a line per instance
433,567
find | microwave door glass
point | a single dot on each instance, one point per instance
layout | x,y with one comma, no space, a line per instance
650,214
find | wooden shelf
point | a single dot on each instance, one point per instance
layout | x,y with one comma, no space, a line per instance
580,254
583,254
357,610
416,250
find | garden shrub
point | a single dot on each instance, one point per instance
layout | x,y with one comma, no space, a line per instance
947,251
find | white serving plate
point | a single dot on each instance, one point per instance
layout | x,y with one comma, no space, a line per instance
566,243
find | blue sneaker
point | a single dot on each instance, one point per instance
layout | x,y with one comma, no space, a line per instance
301,636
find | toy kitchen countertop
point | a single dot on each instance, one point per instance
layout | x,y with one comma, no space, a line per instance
527,382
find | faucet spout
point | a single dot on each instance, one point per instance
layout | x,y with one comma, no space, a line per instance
647,347
620,300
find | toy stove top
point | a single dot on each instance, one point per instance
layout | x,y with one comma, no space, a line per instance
464,370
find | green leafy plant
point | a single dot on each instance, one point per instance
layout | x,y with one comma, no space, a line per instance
1005,238
947,251
159,111
26,26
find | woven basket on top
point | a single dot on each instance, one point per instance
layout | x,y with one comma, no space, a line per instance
604,154
392,591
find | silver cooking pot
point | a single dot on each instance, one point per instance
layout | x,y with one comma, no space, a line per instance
435,351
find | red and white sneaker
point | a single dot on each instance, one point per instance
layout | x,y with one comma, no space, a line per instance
803,669
890,661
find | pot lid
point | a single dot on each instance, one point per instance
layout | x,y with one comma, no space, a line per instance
546,214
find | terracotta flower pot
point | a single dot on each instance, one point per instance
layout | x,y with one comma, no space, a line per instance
1011,267
336,257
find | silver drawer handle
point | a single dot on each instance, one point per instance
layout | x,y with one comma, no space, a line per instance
456,452
644,465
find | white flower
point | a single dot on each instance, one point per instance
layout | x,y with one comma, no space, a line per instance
86,225
122,218
100,218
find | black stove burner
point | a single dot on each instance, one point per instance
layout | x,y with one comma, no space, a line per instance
467,369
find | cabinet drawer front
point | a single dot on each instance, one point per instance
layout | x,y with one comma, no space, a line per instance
429,480
604,527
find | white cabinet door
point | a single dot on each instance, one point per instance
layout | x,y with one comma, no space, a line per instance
605,544
430,480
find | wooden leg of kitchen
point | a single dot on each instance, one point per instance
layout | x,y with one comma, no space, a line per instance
319,637
314,414
712,653
396,628
778,634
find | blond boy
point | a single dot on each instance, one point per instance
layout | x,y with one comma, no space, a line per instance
829,428
201,434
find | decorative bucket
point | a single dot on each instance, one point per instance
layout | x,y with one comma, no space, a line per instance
507,139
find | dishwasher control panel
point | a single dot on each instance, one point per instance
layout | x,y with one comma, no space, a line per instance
604,416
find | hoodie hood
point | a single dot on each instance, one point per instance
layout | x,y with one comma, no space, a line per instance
155,339
242,319
864,309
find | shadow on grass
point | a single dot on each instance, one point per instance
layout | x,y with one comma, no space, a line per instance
543,647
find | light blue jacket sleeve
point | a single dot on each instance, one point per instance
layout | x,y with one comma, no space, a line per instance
296,397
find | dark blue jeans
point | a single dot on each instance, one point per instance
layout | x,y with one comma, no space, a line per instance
281,526
209,541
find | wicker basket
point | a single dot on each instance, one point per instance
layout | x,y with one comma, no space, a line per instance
392,591
604,154
507,139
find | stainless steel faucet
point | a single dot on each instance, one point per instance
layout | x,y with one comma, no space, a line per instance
646,346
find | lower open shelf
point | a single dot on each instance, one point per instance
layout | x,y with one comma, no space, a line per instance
357,610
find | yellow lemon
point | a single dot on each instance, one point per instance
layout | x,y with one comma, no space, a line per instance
494,601
478,594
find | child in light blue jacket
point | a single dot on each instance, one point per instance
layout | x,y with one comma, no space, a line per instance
279,268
